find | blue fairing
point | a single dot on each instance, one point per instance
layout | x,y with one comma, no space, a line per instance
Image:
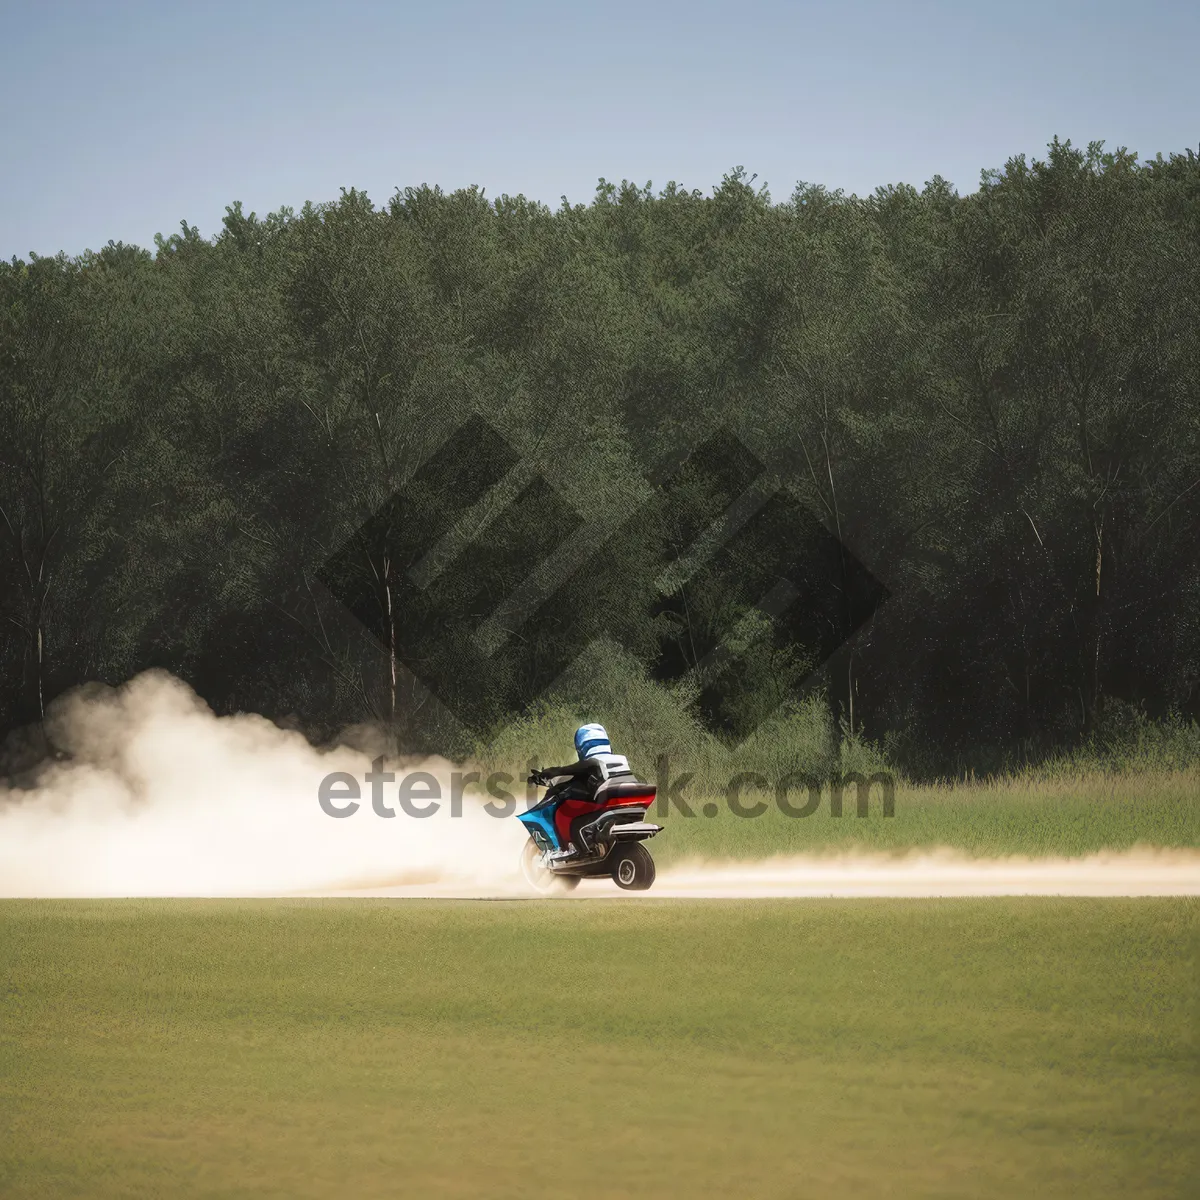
541,818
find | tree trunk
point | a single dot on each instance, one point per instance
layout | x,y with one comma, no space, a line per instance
1097,624
390,614
850,690
39,671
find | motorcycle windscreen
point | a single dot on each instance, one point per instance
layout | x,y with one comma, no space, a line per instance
541,819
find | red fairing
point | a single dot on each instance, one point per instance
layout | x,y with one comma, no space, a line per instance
568,810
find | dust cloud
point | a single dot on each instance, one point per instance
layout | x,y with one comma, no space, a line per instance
157,796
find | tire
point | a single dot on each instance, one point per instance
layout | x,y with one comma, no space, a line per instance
541,879
632,867
537,876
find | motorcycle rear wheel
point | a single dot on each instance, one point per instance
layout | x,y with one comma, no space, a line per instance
632,867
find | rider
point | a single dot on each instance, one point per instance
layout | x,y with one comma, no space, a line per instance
596,763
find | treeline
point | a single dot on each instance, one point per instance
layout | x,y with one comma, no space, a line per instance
992,402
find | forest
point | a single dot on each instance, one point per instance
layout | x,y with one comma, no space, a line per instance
929,460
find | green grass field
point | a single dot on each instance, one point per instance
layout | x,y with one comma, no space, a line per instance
1067,816
629,1048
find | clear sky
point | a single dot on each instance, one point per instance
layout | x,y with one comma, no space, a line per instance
120,117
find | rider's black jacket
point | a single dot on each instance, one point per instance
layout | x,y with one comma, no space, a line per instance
575,770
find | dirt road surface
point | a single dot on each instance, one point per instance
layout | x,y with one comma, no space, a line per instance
938,873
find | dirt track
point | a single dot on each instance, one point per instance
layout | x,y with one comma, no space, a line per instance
940,873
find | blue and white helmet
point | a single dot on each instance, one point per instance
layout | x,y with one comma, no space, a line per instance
591,740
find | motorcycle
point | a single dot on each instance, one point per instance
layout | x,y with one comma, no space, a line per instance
574,837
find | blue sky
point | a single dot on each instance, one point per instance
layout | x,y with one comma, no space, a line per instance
122,118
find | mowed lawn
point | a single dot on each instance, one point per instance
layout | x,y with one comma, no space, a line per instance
951,1048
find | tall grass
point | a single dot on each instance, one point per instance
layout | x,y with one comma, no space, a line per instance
648,719
1133,782
1065,816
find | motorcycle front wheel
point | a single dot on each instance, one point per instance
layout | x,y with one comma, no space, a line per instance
541,878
